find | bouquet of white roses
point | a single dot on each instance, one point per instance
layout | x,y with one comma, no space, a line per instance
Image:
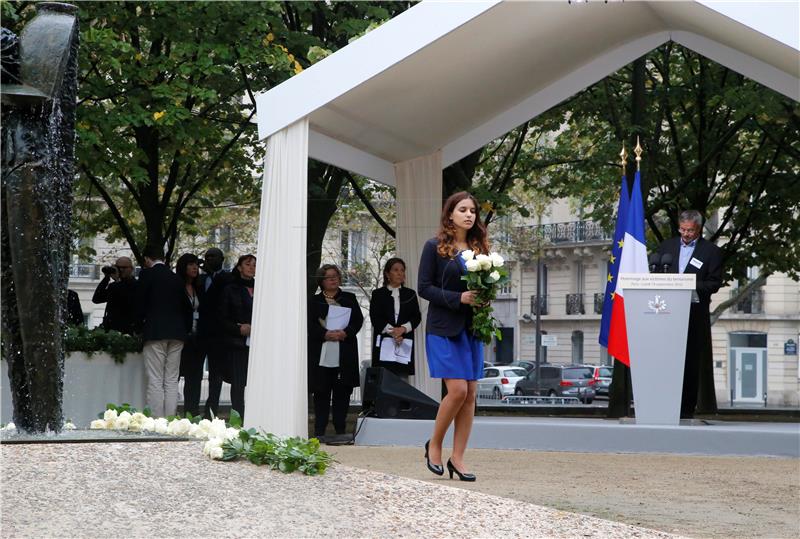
485,275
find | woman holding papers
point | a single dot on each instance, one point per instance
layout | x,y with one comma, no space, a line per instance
334,320
236,313
394,312
453,352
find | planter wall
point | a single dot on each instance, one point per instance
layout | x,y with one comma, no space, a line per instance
90,382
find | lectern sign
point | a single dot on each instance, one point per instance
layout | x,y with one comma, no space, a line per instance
658,281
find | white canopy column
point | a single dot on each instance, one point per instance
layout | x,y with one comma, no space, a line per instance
419,205
276,393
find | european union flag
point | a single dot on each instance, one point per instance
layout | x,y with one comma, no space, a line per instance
613,262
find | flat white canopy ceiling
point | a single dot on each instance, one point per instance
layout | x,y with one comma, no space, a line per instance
455,75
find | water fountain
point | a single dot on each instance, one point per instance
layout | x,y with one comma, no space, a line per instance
39,86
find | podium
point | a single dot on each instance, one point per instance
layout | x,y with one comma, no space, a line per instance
657,320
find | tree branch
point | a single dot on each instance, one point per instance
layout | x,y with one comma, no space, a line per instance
370,208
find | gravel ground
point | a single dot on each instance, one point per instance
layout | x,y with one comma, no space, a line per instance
688,495
172,490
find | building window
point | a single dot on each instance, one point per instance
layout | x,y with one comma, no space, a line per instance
506,289
577,347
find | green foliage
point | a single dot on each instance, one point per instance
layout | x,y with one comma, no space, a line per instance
89,341
125,407
284,454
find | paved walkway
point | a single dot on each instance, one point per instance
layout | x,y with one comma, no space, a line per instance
172,490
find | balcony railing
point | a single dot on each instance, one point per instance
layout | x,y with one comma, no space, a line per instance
750,303
572,232
575,304
599,297
539,306
84,271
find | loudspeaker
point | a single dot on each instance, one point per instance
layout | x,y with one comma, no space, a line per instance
387,396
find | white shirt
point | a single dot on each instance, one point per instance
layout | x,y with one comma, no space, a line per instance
395,291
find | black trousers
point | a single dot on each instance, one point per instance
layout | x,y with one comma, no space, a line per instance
216,359
193,356
237,359
330,388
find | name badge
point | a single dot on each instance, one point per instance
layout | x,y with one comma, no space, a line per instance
696,263
196,315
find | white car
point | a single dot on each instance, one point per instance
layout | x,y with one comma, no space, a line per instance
500,381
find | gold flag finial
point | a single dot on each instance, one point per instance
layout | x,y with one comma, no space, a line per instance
624,156
638,152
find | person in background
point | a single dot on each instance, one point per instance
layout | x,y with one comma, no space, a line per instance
236,314
166,319
693,254
193,354
394,313
454,354
332,353
117,290
213,281
74,316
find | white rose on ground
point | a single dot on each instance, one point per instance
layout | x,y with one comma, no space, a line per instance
484,261
11,426
205,424
195,431
211,444
217,429
122,423
139,417
161,426
497,260
179,427
97,424
231,433
149,424
110,415
473,265
69,425
126,415
494,277
468,255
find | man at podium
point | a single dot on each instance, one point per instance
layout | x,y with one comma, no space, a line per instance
690,253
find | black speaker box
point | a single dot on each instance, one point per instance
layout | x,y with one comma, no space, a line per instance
387,396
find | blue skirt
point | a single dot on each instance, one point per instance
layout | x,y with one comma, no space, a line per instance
459,357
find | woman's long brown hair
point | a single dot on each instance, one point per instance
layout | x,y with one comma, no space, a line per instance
476,236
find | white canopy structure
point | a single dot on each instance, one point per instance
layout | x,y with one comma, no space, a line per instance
431,86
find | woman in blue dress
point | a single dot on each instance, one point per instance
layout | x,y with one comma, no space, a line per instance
454,354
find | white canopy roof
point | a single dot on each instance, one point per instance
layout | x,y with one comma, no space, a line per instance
455,75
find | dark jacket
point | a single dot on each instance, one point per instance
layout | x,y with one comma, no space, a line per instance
209,327
235,308
348,348
381,313
121,310
74,314
440,283
709,275
163,305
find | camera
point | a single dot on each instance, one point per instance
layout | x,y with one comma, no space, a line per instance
109,270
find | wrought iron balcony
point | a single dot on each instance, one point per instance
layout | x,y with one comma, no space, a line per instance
575,304
540,305
750,303
599,297
572,232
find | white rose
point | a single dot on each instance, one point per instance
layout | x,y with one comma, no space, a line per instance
122,423
10,426
161,425
467,255
216,453
217,429
205,424
494,276
485,262
69,425
231,433
211,444
110,415
473,265
179,427
195,431
497,260
139,417
97,424
149,424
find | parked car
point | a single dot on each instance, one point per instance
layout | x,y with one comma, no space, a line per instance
525,364
602,375
487,364
499,382
560,381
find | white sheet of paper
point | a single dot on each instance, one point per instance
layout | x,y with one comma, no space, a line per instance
396,353
338,317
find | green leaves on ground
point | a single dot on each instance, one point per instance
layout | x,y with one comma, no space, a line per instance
284,454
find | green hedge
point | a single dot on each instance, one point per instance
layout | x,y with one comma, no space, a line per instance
89,341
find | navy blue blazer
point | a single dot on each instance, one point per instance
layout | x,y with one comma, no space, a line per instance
440,283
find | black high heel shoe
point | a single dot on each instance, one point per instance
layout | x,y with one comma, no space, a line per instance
435,468
461,476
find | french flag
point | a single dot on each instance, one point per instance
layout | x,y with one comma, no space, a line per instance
633,259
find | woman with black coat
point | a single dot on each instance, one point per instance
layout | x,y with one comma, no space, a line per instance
394,313
236,314
332,354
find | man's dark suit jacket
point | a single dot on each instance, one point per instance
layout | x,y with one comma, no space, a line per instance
120,299
699,354
163,305
440,283
381,314
209,327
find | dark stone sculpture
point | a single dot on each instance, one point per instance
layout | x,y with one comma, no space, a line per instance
39,87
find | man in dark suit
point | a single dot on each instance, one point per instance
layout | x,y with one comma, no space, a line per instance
212,281
167,317
118,291
693,254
